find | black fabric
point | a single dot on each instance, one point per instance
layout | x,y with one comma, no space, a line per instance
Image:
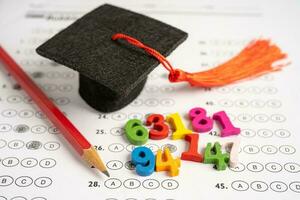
102,99
119,68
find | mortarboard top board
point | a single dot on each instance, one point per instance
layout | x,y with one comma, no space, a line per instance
111,73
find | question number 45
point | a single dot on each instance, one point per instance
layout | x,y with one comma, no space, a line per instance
221,186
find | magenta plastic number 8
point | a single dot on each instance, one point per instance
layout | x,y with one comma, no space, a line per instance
200,122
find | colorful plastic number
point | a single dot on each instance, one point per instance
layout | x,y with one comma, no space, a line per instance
160,130
165,162
234,146
179,129
135,132
200,122
144,161
227,127
192,154
214,155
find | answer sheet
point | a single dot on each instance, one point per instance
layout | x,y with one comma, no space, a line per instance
36,163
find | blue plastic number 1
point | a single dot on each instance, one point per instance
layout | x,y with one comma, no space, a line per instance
144,161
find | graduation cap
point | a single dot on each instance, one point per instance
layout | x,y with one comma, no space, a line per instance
111,73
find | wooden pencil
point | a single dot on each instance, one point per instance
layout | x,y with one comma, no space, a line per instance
68,130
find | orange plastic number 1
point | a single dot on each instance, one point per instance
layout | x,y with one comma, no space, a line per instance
179,129
165,162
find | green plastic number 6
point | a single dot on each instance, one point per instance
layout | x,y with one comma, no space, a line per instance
135,132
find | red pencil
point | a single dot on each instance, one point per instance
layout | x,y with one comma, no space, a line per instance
68,130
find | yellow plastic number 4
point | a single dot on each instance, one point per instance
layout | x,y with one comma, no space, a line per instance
179,129
165,162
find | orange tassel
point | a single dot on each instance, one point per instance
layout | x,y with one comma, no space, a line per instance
256,59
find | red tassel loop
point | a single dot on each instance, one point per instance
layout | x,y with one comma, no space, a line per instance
255,60
148,49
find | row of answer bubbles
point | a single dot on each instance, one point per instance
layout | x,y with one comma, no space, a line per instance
28,162
260,117
261,186
25,181
256,103
49,87
24,128
151,184
251,90
14,99
30,145
265,133
153,102
273,167
269,149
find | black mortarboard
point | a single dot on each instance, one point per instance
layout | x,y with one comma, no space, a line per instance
112,73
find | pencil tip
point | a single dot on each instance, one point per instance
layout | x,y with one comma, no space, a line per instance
92,157
106,173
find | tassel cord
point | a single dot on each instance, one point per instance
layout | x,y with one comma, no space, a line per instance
254,60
